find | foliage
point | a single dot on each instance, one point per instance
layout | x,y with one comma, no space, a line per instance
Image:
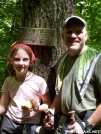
10,20
90,10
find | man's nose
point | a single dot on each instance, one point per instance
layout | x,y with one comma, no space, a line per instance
73,35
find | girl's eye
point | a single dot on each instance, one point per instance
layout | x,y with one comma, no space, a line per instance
16,59
26,59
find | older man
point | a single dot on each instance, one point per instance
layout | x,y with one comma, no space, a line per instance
78,82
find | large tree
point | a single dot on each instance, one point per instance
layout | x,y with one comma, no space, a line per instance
42,21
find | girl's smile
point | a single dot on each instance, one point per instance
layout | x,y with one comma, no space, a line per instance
21,62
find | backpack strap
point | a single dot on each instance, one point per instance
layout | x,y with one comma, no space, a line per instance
88,75
79,121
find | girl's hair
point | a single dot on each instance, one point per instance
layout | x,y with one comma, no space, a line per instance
13,51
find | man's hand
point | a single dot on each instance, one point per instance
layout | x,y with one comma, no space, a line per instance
48,124
49,119
75,128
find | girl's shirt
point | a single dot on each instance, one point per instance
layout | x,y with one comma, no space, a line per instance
19,92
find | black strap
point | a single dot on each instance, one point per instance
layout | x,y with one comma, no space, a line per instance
79,121
87,114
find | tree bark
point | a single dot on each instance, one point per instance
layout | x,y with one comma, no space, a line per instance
47,14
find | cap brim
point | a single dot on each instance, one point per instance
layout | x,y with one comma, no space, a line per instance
79,19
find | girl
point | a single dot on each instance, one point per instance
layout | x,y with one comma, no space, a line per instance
23,92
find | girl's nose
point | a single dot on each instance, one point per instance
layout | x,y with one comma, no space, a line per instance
21,62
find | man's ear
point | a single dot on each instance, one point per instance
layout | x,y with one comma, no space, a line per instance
86,36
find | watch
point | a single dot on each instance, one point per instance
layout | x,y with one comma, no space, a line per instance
88,126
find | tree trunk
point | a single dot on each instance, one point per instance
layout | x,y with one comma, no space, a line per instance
46,17
42,21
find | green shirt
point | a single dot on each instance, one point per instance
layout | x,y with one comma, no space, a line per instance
70,96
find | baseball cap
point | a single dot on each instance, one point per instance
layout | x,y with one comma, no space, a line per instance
74,18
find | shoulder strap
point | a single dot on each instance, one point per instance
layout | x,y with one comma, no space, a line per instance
79,121
88,75
61,61
60,72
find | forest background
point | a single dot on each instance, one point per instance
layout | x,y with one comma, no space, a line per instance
10,21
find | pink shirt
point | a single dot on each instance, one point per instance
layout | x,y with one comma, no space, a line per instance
19,93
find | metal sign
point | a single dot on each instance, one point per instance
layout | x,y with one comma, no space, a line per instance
37,36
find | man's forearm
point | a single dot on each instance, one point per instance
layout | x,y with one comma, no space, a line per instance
95,118
56,103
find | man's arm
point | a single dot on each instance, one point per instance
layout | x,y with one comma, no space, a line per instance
95,118
56,106
56,103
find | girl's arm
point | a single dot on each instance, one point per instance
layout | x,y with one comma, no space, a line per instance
4,101
46,102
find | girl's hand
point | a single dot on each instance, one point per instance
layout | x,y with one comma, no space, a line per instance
27,105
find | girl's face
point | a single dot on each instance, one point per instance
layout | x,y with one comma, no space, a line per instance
21,62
